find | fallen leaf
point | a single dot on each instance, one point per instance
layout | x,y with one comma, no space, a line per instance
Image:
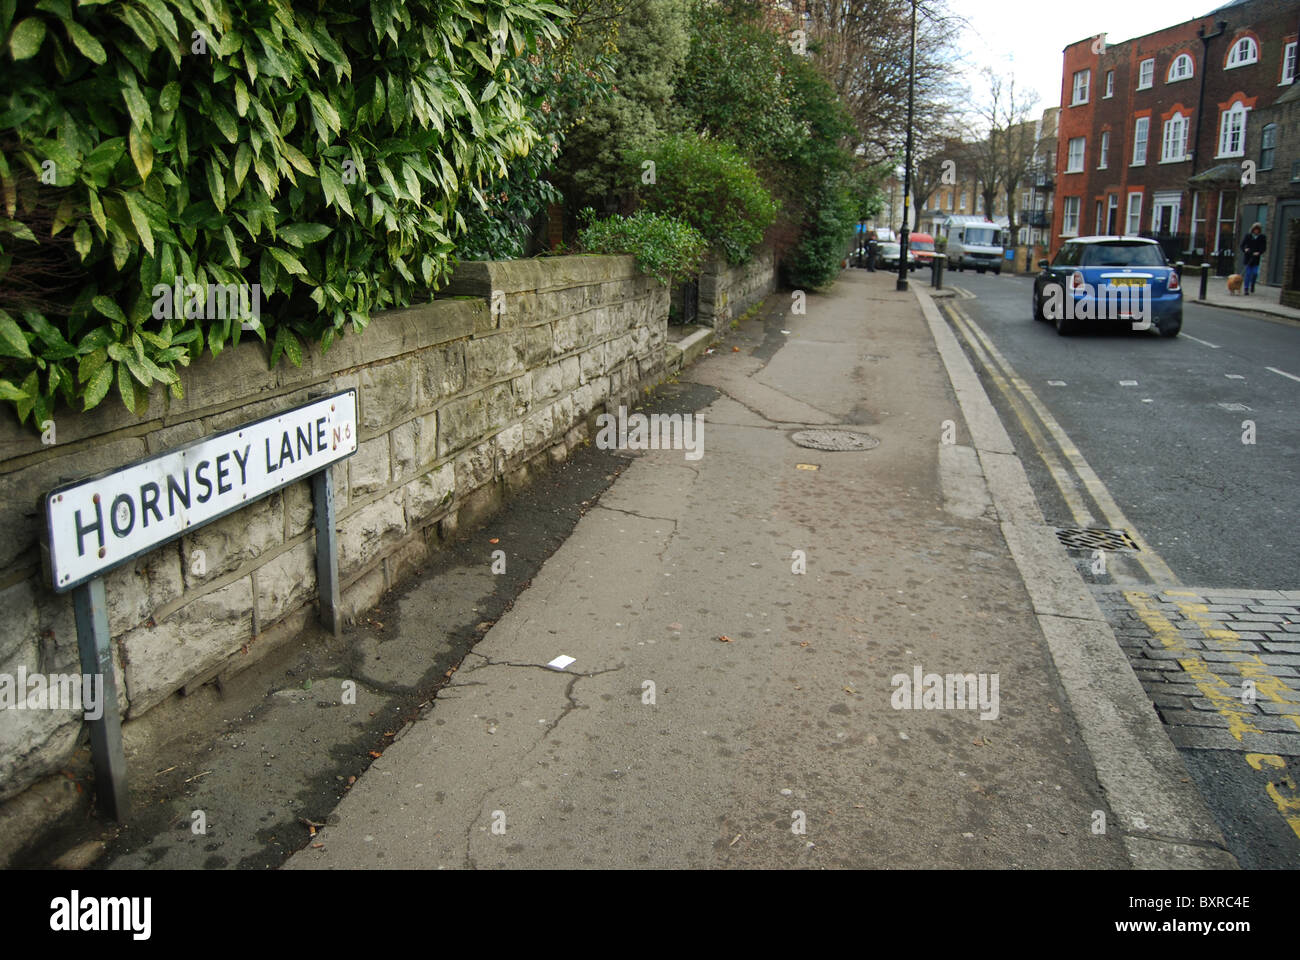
735,349
734,842
849,690
376,754
318,846
495,540
725,639
805,643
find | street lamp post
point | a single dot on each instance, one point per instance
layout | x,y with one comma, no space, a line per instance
907,167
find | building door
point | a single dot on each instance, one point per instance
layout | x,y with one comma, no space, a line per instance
1112,214
1286,213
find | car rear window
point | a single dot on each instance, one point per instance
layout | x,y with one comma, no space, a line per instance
1120,254
920,244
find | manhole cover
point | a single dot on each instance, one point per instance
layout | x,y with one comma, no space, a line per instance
1096,538
834,440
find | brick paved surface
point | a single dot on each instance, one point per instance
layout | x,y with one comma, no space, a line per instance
1222,667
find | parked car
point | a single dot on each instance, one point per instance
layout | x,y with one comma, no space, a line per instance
1096,281
973,242
887,256
922,246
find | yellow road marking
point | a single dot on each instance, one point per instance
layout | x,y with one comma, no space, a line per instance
1213,686
1151,561
1254,669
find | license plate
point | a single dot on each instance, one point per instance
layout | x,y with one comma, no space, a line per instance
1127,282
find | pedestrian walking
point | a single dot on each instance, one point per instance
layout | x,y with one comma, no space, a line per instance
871,251
1252,248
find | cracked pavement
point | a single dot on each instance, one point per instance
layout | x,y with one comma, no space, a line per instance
661,746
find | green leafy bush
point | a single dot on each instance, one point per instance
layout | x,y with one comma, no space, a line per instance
814,263
317,149
708,184
664,246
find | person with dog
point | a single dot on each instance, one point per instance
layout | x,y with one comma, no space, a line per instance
1252,249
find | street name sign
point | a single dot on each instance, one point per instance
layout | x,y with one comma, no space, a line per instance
96,524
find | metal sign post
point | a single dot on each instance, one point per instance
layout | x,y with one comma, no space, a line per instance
90,605
327,554
102,522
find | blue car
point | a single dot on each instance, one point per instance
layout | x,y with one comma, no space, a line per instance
1101,281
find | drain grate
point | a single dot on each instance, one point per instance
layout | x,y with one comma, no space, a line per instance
834,440
1096,538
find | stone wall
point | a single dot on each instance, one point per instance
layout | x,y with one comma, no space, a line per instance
455,398
726,292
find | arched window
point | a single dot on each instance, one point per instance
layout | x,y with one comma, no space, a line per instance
1243,52
1232,130
1267,146
1180,69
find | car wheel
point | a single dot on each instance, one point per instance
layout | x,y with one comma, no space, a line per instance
997,272
1065,326
1170,327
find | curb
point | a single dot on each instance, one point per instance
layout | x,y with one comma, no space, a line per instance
1162,816
1251,310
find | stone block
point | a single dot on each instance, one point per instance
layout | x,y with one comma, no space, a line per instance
368,468
460,423
285,583
365,534
494,358
547,382
299,507
475,467
200,635
137,590
498,406
388,394
414,446
429,494
226,544
442,372
538,342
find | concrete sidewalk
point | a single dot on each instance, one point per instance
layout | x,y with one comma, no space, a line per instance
1263,300
662,745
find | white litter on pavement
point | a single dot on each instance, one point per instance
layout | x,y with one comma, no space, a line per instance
560,662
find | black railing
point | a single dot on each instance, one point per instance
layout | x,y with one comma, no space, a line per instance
1035,218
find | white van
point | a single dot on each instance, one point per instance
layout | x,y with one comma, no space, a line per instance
973,242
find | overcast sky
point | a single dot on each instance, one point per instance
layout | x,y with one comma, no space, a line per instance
1026,37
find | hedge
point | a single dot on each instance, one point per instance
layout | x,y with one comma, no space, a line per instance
318,150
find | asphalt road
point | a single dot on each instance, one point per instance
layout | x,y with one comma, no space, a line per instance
1162,426
1169,448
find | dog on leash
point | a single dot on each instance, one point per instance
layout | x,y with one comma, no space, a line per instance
1234,283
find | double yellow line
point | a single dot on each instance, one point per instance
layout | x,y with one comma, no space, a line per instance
1074,478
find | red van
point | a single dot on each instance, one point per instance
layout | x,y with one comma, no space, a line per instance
922,245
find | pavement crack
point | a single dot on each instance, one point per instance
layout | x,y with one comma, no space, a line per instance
639,516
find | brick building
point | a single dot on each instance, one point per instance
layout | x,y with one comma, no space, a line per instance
1153,131
1273,143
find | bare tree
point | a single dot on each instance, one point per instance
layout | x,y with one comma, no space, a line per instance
863,46
1004,161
